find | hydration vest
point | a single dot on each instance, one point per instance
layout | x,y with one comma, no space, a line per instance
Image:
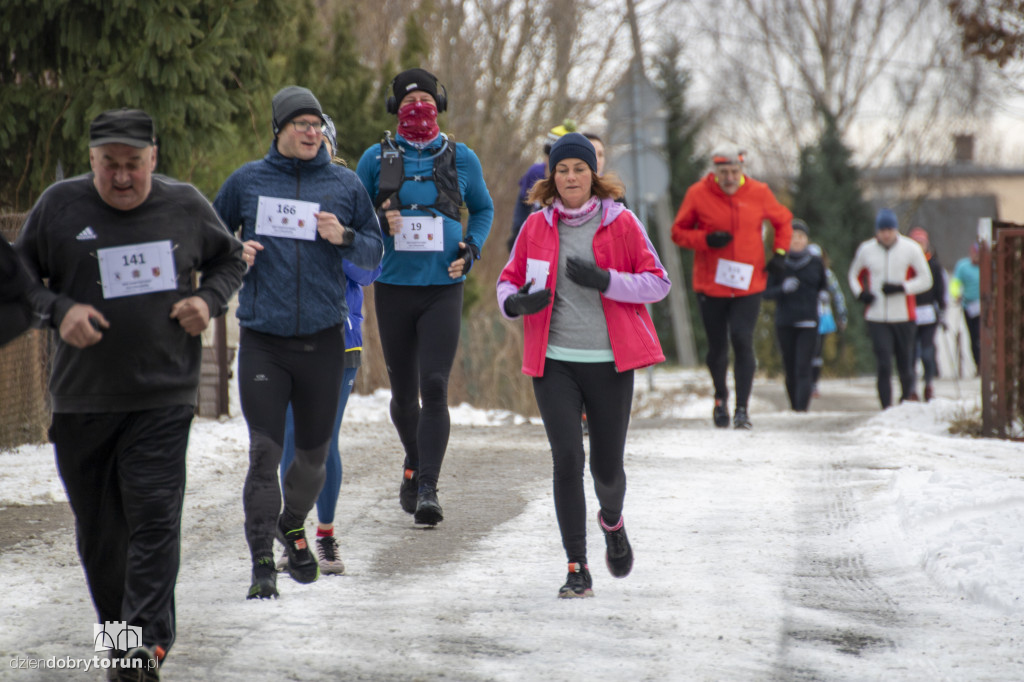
445,177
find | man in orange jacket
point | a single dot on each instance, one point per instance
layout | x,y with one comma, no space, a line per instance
721,219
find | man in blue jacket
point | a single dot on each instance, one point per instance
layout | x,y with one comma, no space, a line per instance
301,216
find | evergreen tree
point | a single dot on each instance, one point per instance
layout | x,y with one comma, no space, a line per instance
686,167
828,198
194,65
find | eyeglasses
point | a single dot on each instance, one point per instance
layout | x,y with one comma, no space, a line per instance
304,126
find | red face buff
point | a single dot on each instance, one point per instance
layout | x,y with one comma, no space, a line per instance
417,122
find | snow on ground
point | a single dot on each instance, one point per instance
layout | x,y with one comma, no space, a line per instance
835,545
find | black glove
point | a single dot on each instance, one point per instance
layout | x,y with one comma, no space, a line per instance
523,303
866,297
470,253
890,288
777,265
587,274
718,238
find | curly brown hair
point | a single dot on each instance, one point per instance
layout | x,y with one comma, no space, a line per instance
607,186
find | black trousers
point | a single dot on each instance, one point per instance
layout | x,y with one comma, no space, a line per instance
272,372
924,350
974,329
797,345
893,339
565,390
731,320
419,334
124,473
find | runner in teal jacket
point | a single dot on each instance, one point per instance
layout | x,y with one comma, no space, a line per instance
418,296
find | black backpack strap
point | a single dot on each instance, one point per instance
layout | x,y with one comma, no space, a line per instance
392,172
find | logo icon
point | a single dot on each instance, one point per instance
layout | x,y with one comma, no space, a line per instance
116,635
87,233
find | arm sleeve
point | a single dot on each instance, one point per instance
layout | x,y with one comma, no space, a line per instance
222,266
226,206
921,281
853,277
359,275
836,294
781,220
649,282
686,232
49,306
477,198
367,248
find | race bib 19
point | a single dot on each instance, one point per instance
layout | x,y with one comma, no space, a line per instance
420,233
287,218
137,269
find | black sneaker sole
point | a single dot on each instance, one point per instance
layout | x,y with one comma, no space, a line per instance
257,591
428,515
570,594
304,574
300,571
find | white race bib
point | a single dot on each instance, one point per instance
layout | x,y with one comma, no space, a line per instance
537,272
972,308
420,233
925,314
137,269
288,218
733,274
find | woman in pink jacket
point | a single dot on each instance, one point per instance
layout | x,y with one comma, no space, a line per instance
579,274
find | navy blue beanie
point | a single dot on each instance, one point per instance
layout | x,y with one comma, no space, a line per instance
573,146
886,220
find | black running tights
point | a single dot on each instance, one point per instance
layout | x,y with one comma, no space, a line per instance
731,320
272,372
565,390
419,334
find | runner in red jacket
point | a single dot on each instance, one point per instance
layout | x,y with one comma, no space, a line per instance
579,273
721,219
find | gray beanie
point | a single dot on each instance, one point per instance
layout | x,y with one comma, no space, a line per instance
573,146
292,101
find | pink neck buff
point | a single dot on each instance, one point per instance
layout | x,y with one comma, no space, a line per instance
417,122
574,217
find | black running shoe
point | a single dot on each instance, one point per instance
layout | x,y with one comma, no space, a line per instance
618,556
740,420
141,664
428,509
578,583
720,414
264,579
302,564
407,493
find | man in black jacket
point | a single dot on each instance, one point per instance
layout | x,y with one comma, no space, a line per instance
120,247
15,317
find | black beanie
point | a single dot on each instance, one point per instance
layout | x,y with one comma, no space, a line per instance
573,146
412,80
292,101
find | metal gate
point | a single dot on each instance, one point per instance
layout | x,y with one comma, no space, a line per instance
1001,266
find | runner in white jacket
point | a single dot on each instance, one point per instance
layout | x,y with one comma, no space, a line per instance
886,272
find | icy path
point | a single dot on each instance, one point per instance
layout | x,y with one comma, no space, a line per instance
839,545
